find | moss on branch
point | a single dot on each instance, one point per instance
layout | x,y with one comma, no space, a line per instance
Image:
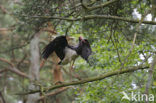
91,79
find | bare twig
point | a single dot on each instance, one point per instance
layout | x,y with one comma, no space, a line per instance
14,69
53,93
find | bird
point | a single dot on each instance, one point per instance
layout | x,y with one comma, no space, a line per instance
66,52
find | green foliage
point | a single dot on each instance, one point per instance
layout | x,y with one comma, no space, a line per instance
111,41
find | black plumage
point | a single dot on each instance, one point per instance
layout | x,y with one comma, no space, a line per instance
86,50
58,45
66,52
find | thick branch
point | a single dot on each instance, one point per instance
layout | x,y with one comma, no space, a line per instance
110,74
96,17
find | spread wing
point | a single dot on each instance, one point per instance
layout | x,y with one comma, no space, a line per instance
86,50
58,45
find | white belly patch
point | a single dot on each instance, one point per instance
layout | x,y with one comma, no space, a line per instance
69,56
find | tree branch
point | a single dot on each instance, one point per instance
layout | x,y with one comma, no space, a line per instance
150,76
3,70
6,29
92,79
18,72
83,5
95,17
49,30
2,97
14,69
53,93
102,5
3,9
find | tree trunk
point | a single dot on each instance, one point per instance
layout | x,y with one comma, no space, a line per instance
34,67
57,73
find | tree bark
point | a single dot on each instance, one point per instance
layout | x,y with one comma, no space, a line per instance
34,68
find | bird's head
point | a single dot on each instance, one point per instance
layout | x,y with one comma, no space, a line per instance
80,38
83,41
84,48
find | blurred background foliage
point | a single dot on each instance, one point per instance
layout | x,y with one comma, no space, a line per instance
110,40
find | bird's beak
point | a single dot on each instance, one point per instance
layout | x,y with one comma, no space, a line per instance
81,39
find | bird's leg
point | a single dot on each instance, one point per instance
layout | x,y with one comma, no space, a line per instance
42,63
72,70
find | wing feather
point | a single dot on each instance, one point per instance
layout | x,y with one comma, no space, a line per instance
86,50
57,45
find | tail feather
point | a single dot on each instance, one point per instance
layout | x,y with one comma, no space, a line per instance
48,50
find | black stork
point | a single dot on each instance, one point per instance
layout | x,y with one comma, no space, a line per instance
67,53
